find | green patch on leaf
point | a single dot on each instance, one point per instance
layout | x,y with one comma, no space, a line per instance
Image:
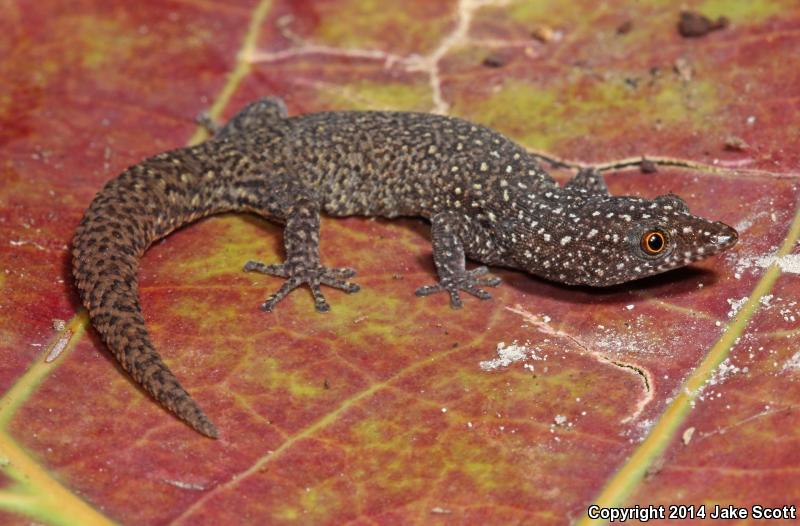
744,11
365,24
268,371
543,117
540,11
365,95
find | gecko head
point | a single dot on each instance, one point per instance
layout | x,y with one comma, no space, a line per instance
604,240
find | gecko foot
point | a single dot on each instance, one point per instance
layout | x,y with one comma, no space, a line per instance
298,273
211,126
467,281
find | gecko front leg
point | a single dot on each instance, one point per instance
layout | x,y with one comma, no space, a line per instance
450,233
302,265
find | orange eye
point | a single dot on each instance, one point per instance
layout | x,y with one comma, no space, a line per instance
654,242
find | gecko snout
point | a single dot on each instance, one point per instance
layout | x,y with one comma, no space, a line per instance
726,236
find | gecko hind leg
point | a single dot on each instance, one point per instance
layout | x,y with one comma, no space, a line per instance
302,265
260,114
205,120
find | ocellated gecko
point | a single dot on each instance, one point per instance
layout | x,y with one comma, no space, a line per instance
486,198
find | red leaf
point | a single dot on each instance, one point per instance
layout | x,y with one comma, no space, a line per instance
391,408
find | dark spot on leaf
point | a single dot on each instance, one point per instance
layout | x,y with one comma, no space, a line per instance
625,27
735,144
647,166
494,61
692,24
543,34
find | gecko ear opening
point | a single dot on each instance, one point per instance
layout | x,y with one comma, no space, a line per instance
674,201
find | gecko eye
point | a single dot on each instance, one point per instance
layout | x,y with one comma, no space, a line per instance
654,242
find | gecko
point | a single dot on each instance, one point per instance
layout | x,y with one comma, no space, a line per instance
485,197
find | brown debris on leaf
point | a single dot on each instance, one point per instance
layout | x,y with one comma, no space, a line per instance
494,61
683,69
544,34
735,144
625,27
647,166
692,24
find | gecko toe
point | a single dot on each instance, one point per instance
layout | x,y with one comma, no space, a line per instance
477,292
351,288
478,271
298,273
251,266
272,270
489,282
455,299
464,280
342,272
288,286
427,290
320,304
334,278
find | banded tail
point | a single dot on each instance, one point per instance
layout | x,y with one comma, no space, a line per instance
143,204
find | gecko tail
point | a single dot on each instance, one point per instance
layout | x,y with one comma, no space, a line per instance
119,321
124,332
115,231
158,380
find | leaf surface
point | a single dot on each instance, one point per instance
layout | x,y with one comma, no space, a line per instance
394,409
